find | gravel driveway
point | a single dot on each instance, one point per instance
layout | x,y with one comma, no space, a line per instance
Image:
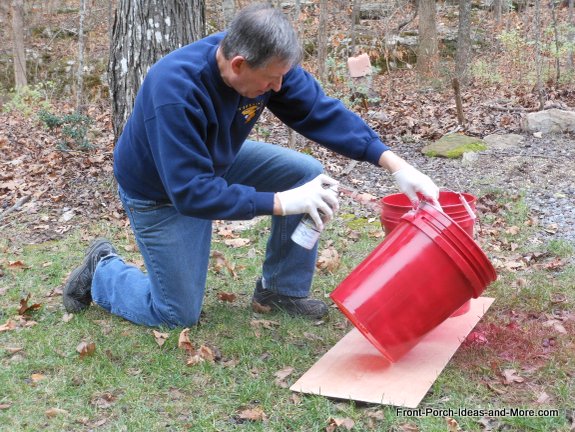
543,169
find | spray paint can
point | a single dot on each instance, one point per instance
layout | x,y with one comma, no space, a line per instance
306,234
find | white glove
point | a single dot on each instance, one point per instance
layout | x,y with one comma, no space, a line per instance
411,182
318,195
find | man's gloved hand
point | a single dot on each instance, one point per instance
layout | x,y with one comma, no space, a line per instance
318,195
411,181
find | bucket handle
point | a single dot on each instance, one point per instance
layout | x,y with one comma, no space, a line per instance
471,213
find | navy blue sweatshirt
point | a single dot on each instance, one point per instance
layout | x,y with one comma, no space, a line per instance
187,126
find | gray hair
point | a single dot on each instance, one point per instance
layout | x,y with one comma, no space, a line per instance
260,33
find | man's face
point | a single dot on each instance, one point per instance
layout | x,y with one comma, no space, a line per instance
253,82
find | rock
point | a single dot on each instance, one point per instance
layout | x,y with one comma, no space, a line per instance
453,146
469,158
503,142
549,121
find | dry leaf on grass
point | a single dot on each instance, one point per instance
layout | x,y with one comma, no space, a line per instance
8,325
252,414
53,412
328,260
260,308
258,323
340,423
510,376
237,242
86,349
160,337
24,308
227,297
219,263
184,340
281,376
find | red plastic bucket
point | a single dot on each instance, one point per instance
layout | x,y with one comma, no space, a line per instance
422,272
394,206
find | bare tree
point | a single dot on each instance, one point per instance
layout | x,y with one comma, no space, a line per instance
18,50
80,73
497,10
322,41
228,11
571,21
463,53
428,51
142,33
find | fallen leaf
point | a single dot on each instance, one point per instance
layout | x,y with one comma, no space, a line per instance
36,377
336,423
260,308
510,376
5,405
477,337
8,325
252,414
328,260
408,427
543,398
24,308
237,242
17,265
103,401
281,376
86,349
160,337
227,297
452,425
219,263
264,323
53,412
207,353
184,340
495,389
556,324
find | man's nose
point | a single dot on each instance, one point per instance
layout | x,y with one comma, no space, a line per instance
276,85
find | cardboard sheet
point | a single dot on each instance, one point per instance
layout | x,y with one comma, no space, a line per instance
355,369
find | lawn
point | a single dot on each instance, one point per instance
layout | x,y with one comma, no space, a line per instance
94,371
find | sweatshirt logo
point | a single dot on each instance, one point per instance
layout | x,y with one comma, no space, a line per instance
249,111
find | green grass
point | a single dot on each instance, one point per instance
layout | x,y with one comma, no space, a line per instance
130,383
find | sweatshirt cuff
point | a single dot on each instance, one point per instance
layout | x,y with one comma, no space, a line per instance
264,203
374,151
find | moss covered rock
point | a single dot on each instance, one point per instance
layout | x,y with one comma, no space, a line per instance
453,146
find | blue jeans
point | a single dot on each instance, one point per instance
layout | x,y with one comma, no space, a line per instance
176,248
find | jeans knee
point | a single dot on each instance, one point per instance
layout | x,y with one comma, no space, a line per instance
310,168
181,318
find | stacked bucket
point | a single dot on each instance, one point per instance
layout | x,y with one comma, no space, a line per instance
427,269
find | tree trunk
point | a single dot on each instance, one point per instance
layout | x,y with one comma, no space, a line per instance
80,77
497,9
228,11
322,41
463,54
428,52
571,21
18,44
144,32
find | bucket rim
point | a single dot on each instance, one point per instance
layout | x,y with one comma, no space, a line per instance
466,252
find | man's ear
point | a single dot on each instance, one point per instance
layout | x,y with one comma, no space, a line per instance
237,63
